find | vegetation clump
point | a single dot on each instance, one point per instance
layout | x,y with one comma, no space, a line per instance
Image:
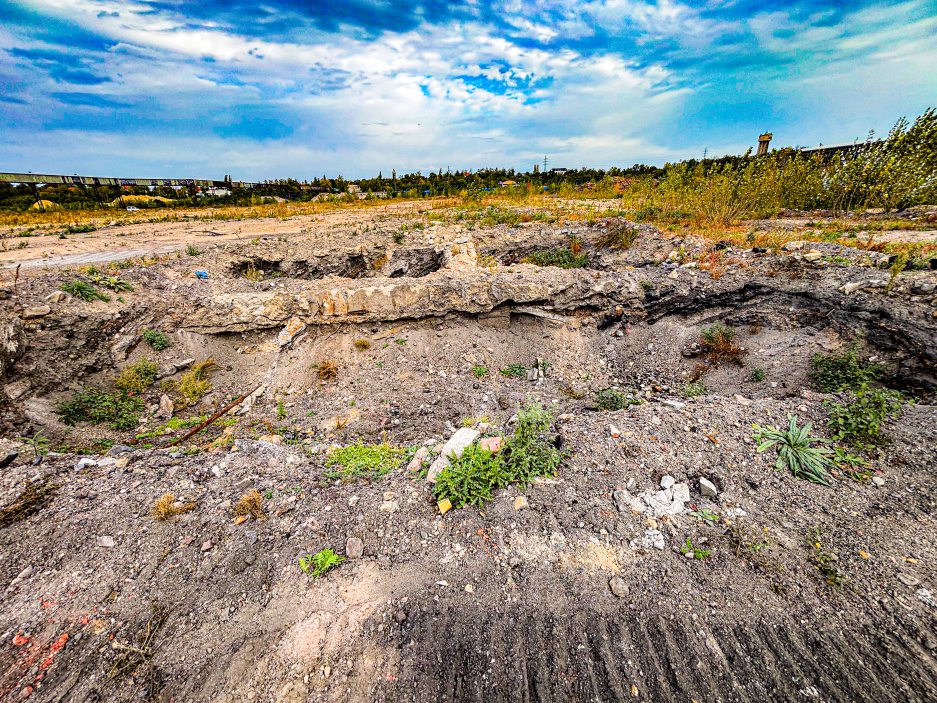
363,461
157,340
514,371
563,257
84,290
843,372
362,344
479,371
120,410
796,451
320,562
136,378
167,507
618,235
859,421
613,399
471,478
251,504
327,370
193,385
718,342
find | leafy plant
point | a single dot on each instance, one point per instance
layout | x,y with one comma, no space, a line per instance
136,378
694,389
825,560
705,514
860,421
618,235
155,339
114,283
697,553
514,371
758,375
479,371
38,443
562,257
363,460
84,290
796,451
843,372
612,399
326,370
320,562
192,250
120,410
281,410
362,344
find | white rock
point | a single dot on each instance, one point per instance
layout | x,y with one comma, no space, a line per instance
681,493
708,488
105,541
667,481
456,445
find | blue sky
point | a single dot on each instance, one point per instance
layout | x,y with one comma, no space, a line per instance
181,88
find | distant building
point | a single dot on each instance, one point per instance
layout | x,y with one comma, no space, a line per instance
507,184
354,188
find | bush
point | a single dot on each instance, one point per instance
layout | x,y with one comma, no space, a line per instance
119,410
194,384
612,399
84,290
514,371
860,422
843,372
157,340
471,478
562,257
718,342
136,378
796,451
618,235
320,562
479,371
694,389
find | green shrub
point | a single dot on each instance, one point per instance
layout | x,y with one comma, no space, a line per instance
796,451
860,421
612,399
694,389
758,375
718,341
84,290
479,371
470,478
562,257
120,410
320,562
155,339
363,460
114,283
192,250
137,377
843,372
514,371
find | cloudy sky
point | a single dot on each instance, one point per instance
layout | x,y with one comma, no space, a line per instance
186,88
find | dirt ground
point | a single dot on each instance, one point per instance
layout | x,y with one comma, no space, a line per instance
666,560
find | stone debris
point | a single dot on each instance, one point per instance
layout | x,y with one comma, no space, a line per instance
708,488
354,548
456,445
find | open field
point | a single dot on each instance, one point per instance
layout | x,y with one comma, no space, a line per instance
614,538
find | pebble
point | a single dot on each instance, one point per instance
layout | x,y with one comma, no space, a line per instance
667,482
878,481
618,586
354,548
520,503
708,488
389,506
105,541
908,579
207,545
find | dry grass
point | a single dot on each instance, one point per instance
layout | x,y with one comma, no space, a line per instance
250,505
718,342
327,370
362,344
33,498
194,383
167,507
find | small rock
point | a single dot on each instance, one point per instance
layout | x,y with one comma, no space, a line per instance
56,296
618,586
166,406
614,431
207,545
681,493
36,311
908,579
708,488
456,445
667,482
353,501
105,541
813,255
520,503
8,459
878,481
491,444
850,288
119,449
389,506
354,548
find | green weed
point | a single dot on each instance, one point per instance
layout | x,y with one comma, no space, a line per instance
320,562
363,461
155,339
796,451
